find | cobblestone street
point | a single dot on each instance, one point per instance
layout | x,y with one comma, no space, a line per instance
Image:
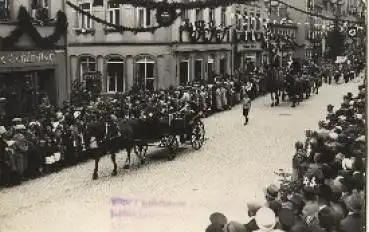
233,166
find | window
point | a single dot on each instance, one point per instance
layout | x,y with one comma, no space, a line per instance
4,11
144,17
86,64
83,20
185,12
113,13
252,20
198,69
245,20
210,65
39,4
185,15
199,15
145,74
238,19
211,15
184,72
223,64
223,17
115,75
258,20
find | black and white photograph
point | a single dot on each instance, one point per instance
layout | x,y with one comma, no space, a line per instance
183,115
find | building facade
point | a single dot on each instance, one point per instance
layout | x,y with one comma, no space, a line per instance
197,46
32,54
282,32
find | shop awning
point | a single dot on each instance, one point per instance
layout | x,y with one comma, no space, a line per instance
25,68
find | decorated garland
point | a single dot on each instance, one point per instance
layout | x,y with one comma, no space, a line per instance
25,26
199,4
166,21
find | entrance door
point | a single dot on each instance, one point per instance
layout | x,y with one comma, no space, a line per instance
198,69
184,74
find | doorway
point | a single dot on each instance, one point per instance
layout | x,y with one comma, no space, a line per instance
184,74
198,69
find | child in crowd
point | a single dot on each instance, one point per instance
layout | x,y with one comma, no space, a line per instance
246,105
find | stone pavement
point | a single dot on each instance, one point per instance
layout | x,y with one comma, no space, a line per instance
234,165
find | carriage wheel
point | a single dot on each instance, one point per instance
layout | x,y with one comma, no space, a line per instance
141,151
198,135
173,145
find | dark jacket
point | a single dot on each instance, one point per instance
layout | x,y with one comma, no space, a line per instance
352,223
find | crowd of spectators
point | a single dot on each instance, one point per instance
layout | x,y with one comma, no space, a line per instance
326,190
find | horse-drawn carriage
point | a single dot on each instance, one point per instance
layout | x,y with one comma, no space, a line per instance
169,132
138,134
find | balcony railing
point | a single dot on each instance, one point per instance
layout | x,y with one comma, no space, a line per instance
202,33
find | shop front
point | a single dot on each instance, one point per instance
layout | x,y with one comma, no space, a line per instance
251,55
202,63
28,76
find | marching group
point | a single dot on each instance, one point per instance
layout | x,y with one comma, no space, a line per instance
326,190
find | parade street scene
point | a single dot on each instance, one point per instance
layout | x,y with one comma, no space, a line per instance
183,116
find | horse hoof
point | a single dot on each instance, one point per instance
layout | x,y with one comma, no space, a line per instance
95,176
114,173
126,166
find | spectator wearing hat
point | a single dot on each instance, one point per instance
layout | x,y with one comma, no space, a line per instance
271,193
20,154
265,219
252,208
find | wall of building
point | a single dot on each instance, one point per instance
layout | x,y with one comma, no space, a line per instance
27,51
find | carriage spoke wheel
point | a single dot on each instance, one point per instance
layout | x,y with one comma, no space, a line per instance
141,151
173,145
198,135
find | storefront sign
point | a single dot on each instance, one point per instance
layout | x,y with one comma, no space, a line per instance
20,58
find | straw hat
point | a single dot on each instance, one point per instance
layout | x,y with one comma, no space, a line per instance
265,219
19,127
10,143
2,130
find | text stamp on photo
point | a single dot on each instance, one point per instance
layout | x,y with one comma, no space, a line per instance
139,208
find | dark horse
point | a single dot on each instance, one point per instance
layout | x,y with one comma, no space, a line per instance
110,139
273,85
124,134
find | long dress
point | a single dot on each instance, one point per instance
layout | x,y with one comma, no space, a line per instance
20,153
218,97
224,98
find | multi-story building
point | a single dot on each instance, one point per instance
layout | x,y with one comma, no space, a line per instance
187,50
32,53
282,32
